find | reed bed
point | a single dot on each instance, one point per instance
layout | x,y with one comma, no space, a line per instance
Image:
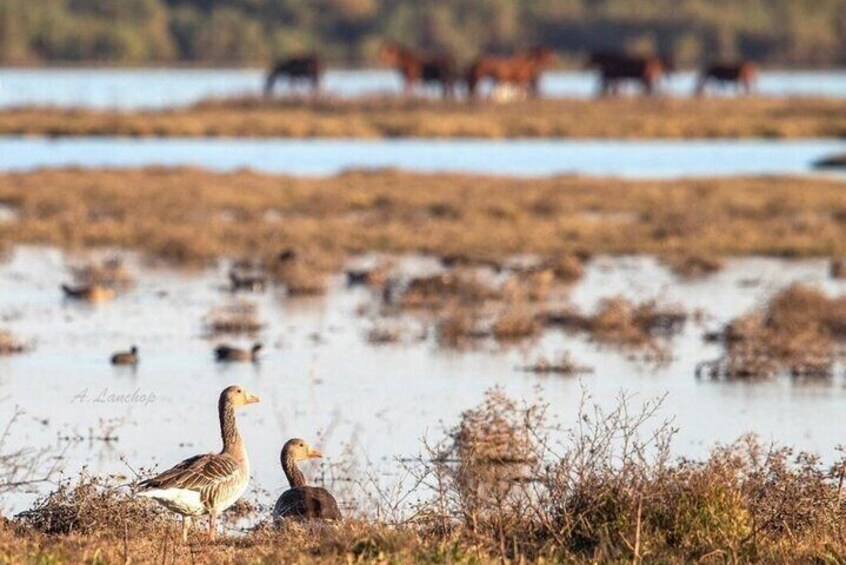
177,215
653,118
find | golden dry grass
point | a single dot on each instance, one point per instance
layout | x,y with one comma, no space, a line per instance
507,483
674,118
186,215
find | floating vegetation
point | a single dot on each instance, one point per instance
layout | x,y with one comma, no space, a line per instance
691,266
10,344
798,332
562,364
239,317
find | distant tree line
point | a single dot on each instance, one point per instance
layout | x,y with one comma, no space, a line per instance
349,32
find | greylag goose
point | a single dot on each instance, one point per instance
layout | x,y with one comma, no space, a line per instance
229,353
91,293
126,357
211,483
302,501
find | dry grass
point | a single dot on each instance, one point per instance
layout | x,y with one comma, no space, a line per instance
238,317
506,483
175,215
562,364
618,321
694,266
10,344
390,118
516,322
110,273
799,332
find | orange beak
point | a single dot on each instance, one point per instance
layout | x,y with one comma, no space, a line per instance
252,399
314,454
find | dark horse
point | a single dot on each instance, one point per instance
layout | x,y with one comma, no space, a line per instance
743,75
307,68
614,68
522,70
417,67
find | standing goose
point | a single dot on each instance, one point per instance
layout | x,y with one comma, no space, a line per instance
302,501
211,483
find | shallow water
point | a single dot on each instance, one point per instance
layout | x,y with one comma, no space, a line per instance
321,380
654,159
163,88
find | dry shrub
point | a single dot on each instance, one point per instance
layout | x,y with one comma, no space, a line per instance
514,323
10,344
533,285
458,326
567,268
837,269
562,364
435,291
92,505
797,332
618,320
239,317
514,484
384,333
300,278
507,483
111,273
690,266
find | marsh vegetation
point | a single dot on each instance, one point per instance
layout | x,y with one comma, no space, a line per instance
663,118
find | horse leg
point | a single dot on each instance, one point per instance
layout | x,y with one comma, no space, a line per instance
268,84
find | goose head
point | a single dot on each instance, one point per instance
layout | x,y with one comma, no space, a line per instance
237,396
297,449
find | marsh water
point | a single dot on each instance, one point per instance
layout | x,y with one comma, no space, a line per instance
165,88
657,159
320,378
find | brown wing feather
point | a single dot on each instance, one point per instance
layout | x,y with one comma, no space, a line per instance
196,473
307,503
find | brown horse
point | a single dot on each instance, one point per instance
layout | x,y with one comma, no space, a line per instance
307,67
416,67
521,71
614,68
743,75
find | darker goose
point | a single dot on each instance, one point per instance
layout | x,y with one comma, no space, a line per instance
126,357
210,483
302,501
91,293
229,353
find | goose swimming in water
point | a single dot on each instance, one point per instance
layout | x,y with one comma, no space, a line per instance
91,293
126,357
211,483
302,501
225,353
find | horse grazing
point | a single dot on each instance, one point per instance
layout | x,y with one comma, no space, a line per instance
416,67
521,71
307,68
615,68
743,75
